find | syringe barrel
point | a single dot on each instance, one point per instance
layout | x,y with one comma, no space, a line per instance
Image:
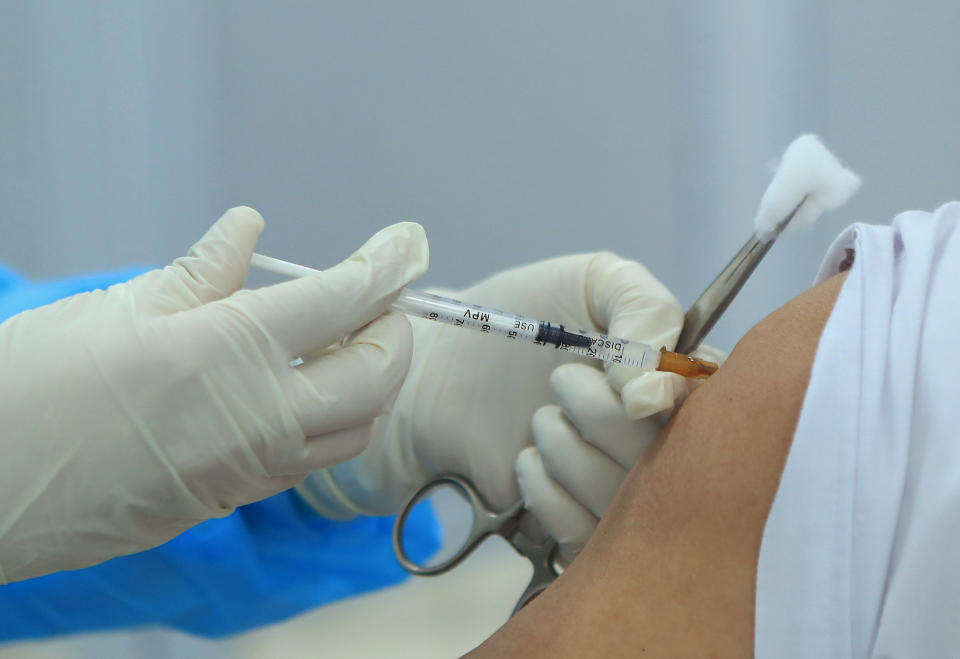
493,321
421,304
526,329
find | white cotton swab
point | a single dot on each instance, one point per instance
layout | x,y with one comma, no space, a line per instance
808,181
808,176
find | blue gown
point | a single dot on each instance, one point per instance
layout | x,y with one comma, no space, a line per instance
266,562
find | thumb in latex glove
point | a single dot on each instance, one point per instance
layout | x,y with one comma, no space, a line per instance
465,408
585,445
133,413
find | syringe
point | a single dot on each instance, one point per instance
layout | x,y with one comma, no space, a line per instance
515,327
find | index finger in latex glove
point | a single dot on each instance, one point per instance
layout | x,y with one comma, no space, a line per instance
358,382
632,304
584,449
587,444
214,267
560,514
595,410
308,314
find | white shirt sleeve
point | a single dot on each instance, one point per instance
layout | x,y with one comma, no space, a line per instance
861,552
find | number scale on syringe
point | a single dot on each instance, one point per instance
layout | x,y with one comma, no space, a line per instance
529,330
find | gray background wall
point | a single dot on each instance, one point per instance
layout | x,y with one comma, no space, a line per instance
513,131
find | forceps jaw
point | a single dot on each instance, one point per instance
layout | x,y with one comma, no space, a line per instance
706,311
485,523
541,556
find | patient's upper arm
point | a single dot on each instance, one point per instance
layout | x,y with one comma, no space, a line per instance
671,568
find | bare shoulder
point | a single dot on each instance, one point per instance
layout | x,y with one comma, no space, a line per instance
763,382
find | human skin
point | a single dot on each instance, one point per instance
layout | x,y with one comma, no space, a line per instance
671,569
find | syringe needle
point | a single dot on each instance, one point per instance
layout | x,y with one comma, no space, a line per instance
524,329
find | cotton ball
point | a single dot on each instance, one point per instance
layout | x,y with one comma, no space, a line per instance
807,173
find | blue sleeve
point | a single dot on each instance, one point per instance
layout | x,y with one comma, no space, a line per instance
266,562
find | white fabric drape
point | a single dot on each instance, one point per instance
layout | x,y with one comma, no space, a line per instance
859,556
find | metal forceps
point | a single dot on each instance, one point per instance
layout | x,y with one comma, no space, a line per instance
706,311
485,523
699,320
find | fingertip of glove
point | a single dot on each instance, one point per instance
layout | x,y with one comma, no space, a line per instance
647,394
403,243
245,215
527,457
392,337
566,374
655,317
392,334
525,465
544,420
387,324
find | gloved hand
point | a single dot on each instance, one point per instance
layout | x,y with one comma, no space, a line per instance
467,403
131,414
586,444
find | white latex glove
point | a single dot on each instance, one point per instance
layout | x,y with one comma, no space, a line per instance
466,405
585,445
131,414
